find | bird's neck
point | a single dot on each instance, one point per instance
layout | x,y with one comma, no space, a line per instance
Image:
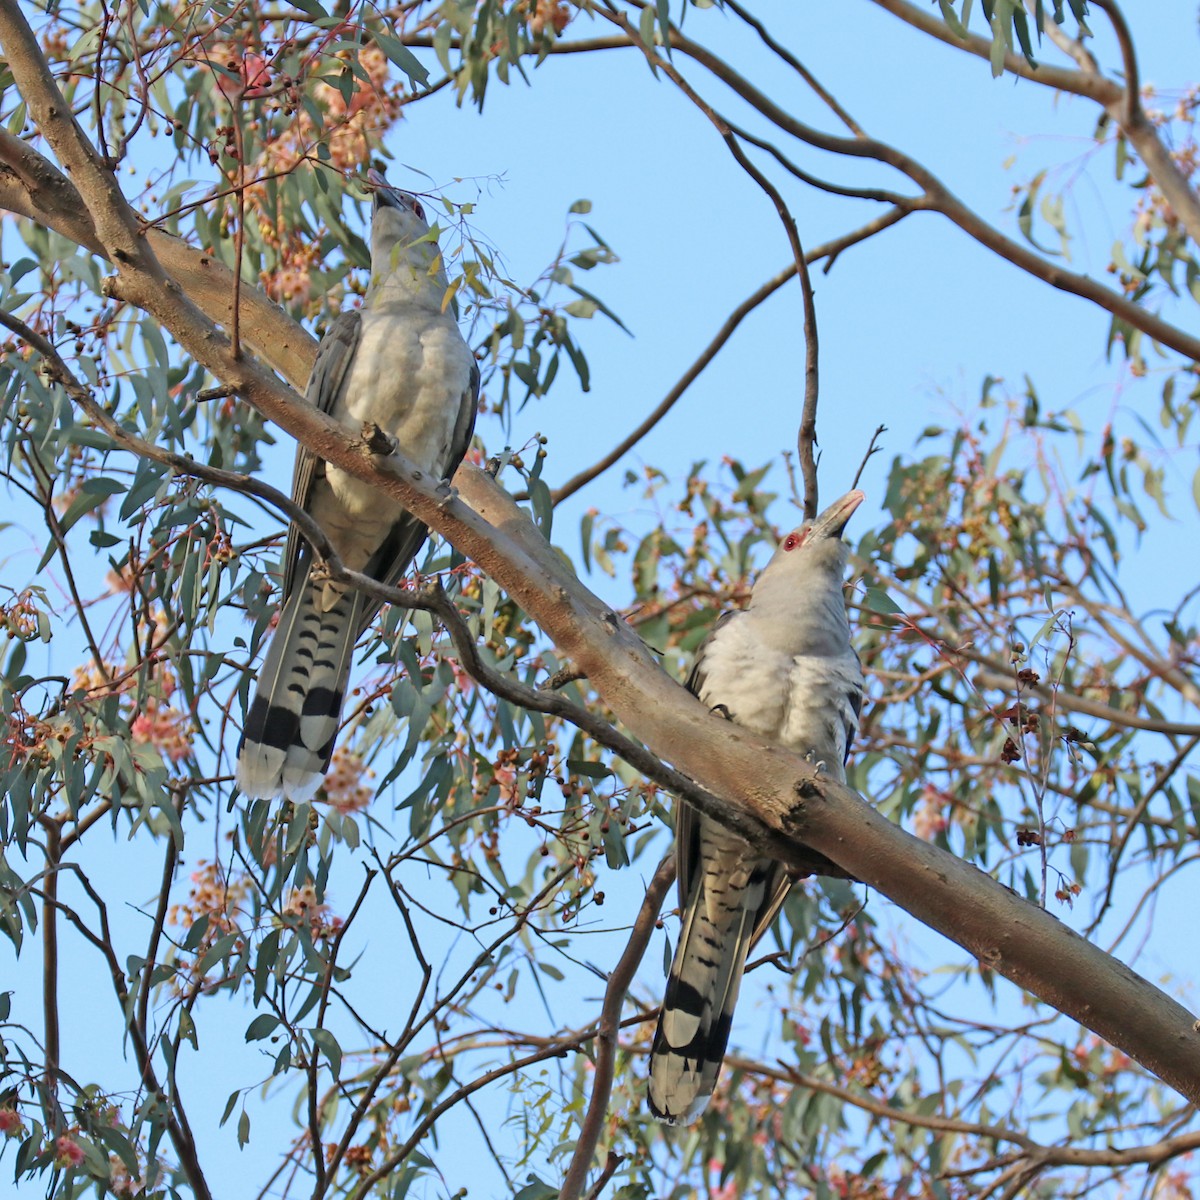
407,276
809,619
407,288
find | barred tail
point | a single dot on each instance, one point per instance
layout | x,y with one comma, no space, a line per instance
292,722
693,1030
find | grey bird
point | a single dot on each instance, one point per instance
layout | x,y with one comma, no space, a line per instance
783,668
400,363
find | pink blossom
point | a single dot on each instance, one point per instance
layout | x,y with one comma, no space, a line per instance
67,1152
11,1124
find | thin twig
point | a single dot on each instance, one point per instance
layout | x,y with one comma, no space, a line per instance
792,61
807,435
611,1163
830,251
50,964
1133,102
170,859
606,1033
872,448
1162,776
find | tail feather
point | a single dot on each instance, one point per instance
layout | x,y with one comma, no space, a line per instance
292,722
693,1030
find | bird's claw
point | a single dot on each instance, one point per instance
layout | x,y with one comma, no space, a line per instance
818,764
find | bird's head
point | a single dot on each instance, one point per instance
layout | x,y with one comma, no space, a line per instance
817,546
401,245
395,210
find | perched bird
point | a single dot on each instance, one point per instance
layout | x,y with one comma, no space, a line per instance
402,364
783,668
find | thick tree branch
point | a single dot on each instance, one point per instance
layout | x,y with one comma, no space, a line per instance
32,187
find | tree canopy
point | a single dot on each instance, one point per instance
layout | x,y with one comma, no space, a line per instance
434,977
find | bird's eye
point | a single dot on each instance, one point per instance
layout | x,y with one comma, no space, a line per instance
416,204
792,541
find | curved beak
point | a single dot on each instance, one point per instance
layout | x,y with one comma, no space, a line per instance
833,520
386,196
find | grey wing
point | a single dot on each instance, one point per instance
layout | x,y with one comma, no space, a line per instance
396,555
325,383
687,819
688,844
854,699
403,543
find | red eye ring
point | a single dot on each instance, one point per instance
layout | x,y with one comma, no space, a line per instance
416,204
792,541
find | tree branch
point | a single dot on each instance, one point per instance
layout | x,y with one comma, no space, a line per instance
1123,104
1154,1154
939,198
50,964
1132,99
806,440
606,1033
990,677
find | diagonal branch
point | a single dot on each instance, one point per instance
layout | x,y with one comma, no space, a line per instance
1123,104
606,1032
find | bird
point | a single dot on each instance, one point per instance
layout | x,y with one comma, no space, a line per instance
783,668
401,364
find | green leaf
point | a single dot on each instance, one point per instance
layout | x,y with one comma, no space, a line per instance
536,1189
877,600
402,56
262,1026
328,1046
592,770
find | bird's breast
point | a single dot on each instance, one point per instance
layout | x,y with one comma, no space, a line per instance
408,377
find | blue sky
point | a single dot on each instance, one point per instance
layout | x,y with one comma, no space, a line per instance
910,322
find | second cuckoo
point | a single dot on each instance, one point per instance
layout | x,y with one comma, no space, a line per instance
783,668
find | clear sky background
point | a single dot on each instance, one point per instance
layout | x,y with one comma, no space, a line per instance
910,322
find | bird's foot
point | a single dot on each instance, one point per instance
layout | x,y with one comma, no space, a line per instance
817,763
721,710
446,493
